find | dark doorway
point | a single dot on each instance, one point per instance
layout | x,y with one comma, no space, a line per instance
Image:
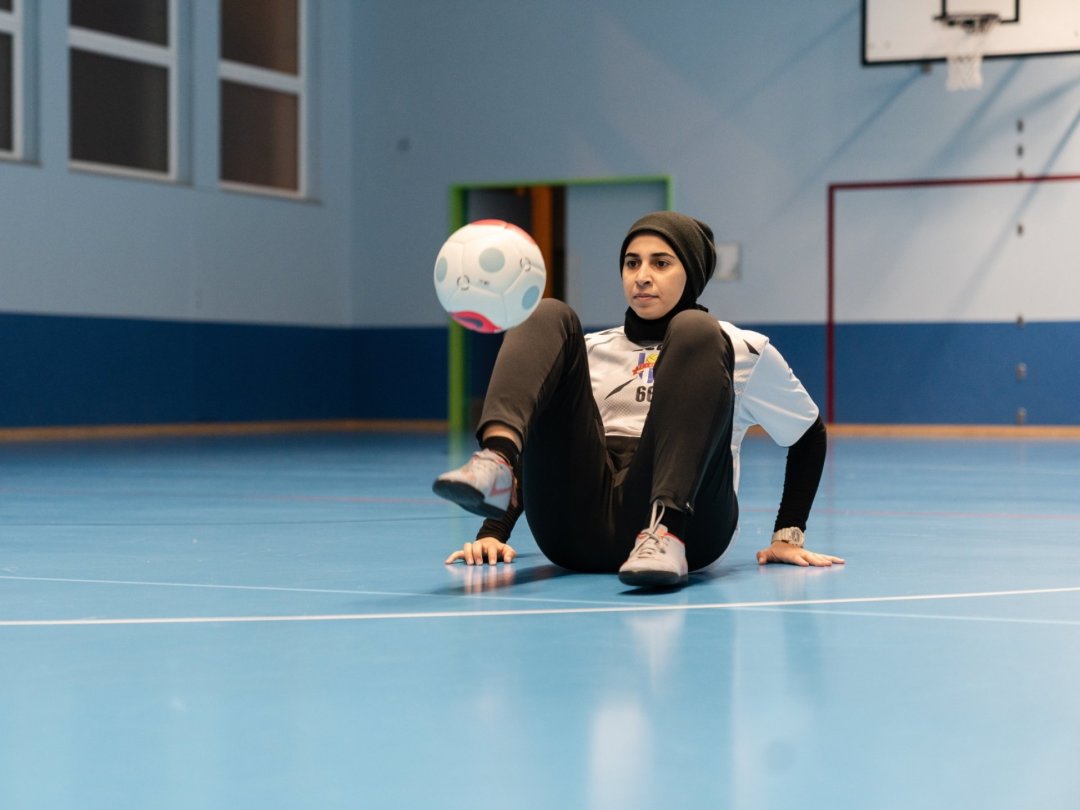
540,210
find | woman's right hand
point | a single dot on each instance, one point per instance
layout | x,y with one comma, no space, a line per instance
486,549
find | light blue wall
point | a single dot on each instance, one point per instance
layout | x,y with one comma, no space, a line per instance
76,243
752,109
136,301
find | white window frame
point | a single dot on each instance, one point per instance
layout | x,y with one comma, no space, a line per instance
147,53
11,23
266,79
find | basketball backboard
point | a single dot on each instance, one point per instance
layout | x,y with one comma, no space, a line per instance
916,30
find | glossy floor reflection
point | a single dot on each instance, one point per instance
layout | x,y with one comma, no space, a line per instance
267,623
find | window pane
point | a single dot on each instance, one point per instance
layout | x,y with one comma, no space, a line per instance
145,20
259,136
263,33
119,112
7,110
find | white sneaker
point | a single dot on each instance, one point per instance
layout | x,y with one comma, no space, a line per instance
484,485
658,558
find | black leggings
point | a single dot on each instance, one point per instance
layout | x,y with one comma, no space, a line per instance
586,496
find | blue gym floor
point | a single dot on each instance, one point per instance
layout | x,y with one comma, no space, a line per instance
266,622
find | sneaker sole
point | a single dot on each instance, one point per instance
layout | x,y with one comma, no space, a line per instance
468,498
652,579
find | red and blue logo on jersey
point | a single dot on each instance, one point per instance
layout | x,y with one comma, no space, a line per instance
645,364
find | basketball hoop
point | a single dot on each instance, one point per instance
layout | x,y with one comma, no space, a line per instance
965,55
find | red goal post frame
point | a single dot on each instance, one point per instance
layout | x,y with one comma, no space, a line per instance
880,185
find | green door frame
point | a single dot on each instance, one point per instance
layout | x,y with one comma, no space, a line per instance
457,360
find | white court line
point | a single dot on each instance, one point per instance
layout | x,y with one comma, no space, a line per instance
469,614
284,589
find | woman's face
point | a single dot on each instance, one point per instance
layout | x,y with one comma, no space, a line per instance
653,277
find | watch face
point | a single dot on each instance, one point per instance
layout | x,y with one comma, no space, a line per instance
792,536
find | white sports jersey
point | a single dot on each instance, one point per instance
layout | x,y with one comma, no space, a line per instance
767,393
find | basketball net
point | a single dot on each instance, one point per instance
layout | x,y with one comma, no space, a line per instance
965,58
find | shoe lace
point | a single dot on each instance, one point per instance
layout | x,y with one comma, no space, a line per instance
488,459
493,460
651,544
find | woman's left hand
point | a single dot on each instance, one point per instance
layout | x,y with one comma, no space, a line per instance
793,555
486,549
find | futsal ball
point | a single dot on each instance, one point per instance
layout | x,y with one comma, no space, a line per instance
489,275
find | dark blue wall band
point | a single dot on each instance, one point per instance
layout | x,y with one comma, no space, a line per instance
98,371
57,370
